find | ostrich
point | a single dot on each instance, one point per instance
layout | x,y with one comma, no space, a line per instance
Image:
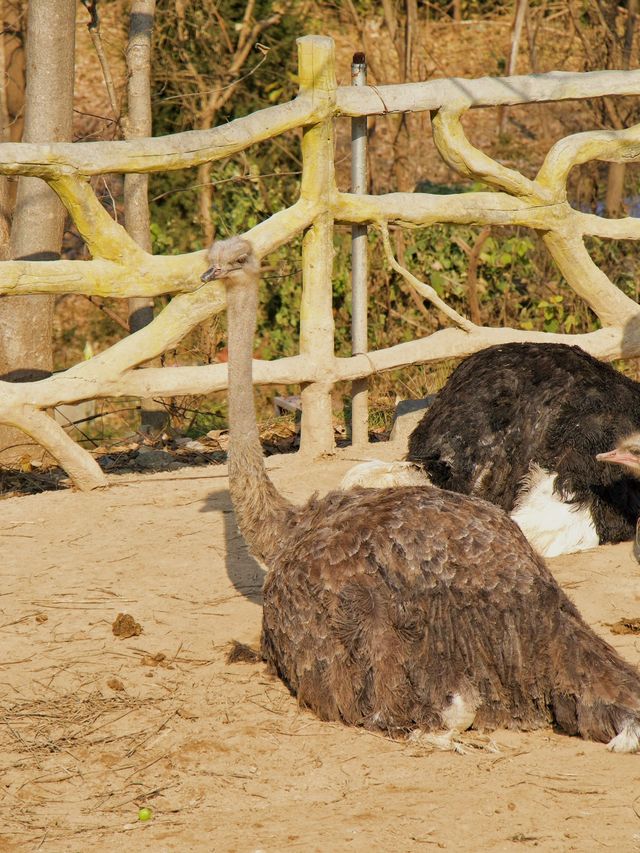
520,425
409,608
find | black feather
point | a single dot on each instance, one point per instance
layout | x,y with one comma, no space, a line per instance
508,406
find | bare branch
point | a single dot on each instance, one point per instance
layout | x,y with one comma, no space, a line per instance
473,254
425,290
104,237
587,279
163,153
462,93
618,146
460,154
94,31
80,465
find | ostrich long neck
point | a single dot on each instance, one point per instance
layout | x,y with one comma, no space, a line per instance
262,514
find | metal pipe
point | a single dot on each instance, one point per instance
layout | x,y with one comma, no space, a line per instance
359,263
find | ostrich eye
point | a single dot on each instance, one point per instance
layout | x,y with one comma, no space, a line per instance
242,259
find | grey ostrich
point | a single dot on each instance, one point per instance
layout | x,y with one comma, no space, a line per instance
410,608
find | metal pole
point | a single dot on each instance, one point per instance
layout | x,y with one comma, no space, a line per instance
359,263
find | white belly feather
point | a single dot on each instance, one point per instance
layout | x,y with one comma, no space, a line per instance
552,526
376,474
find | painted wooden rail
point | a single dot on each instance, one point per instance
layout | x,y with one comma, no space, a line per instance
120,268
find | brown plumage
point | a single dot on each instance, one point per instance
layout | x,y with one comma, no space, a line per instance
410,607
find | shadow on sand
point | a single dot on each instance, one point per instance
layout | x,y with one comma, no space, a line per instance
245,573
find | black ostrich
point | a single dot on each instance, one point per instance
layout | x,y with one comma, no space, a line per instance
410,607
521,425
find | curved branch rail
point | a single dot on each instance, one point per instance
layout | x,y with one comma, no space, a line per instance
120,268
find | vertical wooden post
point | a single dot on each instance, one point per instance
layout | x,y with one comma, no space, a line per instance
316,62
138,123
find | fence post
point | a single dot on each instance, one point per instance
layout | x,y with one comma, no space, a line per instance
316,62
359,264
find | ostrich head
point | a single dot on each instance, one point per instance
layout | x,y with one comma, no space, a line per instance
626,453
231,259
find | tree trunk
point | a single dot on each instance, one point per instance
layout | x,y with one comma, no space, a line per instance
406,41
26,321
136,200
5,122
615,190
616,172
12,85
516,35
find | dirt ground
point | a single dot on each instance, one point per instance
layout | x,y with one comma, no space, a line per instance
94,727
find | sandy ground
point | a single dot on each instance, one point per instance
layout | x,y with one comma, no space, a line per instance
93,727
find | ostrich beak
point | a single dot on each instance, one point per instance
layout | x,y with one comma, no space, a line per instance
619,457
211,274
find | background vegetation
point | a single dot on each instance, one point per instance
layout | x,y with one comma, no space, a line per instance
214,61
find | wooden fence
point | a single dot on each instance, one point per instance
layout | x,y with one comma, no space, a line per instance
120,268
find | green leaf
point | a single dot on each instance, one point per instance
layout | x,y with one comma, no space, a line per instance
438,282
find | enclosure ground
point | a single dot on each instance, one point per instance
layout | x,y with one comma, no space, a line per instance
94,726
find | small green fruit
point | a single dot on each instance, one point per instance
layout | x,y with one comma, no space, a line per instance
144,814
